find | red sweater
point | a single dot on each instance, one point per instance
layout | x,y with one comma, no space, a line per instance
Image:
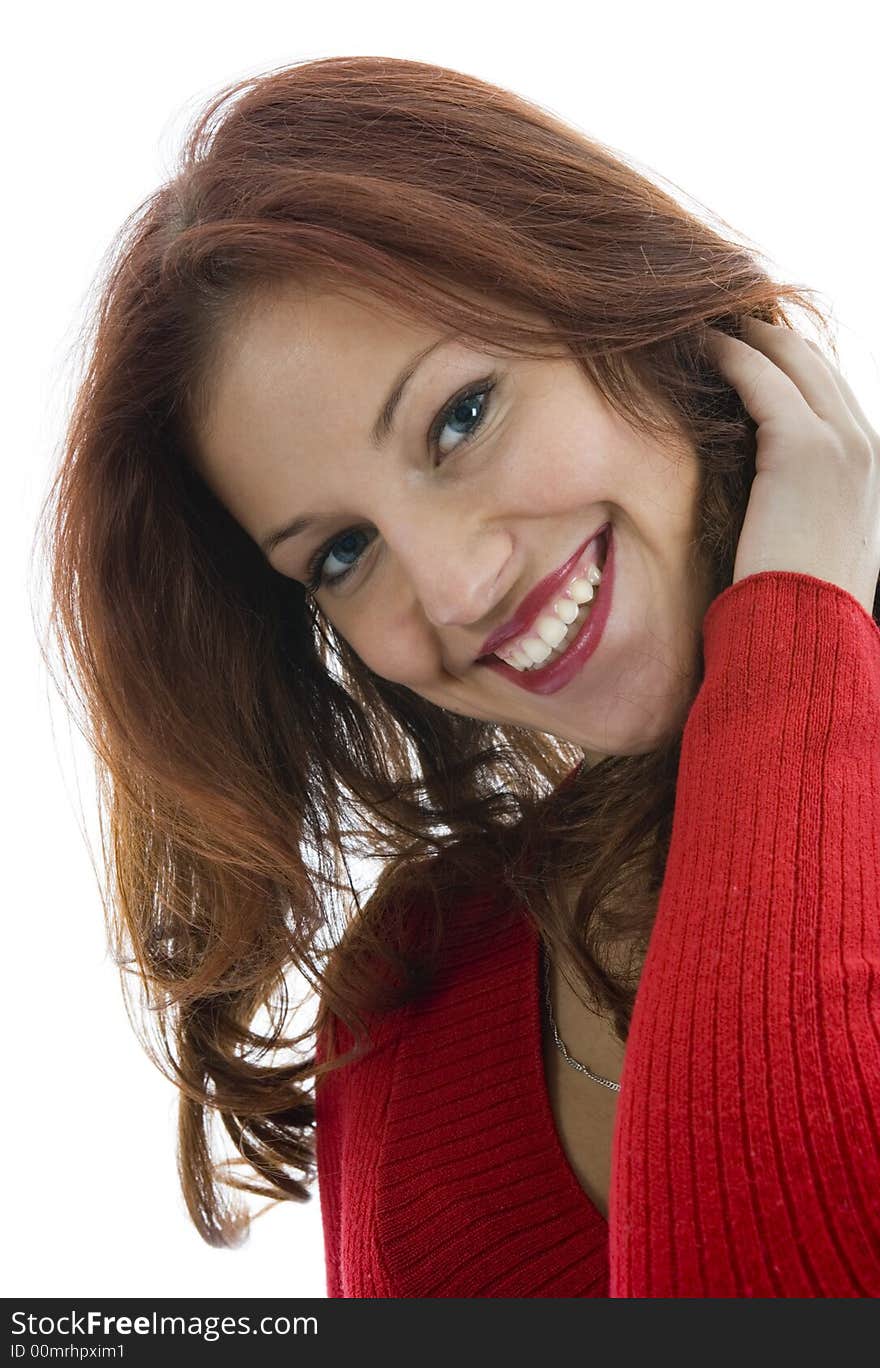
746,1153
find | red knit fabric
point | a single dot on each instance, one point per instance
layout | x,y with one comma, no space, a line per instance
746,1154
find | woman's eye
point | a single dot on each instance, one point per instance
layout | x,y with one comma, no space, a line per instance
467,410
345,550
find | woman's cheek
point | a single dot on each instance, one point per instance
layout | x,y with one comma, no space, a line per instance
397,654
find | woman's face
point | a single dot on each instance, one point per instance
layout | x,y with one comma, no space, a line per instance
429,539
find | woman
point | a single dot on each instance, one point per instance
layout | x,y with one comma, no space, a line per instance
443,492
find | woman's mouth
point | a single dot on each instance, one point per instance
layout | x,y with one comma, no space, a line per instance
546,657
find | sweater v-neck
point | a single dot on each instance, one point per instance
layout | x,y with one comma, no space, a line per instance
471,1141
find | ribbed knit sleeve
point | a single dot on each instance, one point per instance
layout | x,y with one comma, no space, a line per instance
746,1157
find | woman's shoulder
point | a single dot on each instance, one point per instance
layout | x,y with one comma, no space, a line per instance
419,926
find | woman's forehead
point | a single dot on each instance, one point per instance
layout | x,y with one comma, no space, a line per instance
322,327
310,362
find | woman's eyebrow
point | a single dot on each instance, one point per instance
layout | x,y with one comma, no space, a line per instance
379,434
385,422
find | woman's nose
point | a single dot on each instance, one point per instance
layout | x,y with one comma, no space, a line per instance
454,566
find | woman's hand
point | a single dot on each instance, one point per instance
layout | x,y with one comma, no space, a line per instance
814,505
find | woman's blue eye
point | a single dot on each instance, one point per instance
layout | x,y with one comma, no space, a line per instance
462,401
348,553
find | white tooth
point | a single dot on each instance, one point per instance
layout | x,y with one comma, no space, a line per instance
512,656
566,609
550,629
581,590
536,650
594,575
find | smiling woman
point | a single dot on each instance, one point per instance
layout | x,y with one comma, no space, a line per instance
358,552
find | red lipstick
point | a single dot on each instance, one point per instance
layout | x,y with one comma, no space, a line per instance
551,678
536,598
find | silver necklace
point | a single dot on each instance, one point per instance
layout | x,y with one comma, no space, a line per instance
582,1068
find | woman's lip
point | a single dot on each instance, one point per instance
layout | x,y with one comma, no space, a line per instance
536,599
554,677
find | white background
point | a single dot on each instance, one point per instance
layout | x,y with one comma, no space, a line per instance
766,113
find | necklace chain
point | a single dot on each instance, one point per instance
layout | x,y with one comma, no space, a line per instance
575,1064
